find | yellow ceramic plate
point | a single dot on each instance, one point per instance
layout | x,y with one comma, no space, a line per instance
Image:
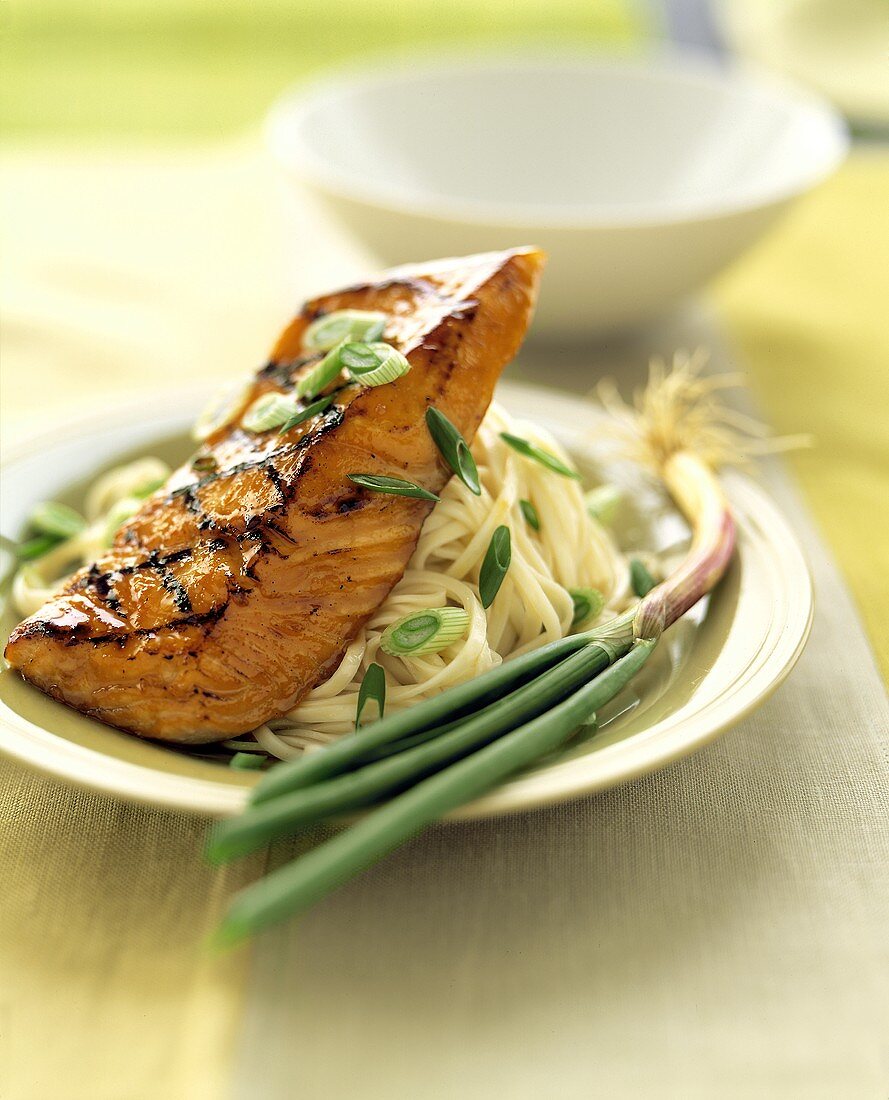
718,662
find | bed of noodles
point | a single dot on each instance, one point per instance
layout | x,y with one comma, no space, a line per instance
533,607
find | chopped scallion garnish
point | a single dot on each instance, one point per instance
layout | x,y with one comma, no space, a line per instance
495,565
373,364
344,324
58,520
588,604
322,374
425,632
308,412
373,686
34,548
530,514
603,502
454,448
395,486
531,450
641,580
269,410
247,761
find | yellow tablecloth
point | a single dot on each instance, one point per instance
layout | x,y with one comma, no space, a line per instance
727,910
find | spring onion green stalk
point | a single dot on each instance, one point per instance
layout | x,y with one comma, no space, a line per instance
538,454
373,364
453,448
495,565
279,816
343,325
299,885
603,503
58,520
530,514
394,486
588,604
641,581
373,687
427,631
457,702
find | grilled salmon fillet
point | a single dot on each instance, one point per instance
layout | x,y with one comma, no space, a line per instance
240,583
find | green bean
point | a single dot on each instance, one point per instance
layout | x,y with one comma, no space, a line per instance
298,885
454,703
282,815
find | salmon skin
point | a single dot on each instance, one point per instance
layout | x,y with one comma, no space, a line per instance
240,583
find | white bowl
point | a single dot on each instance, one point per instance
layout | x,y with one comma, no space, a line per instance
641,179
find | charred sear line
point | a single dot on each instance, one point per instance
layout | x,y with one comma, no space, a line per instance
274,476
79,635
175,587
329,420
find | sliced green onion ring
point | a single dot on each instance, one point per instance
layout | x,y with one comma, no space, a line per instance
425,632
58,520
538,454
454,448
373,364
588,604
322,374
221,410
373,686
343,324
530,514
495,565
603,502
269,410
395,486
247,761
34,548
641,580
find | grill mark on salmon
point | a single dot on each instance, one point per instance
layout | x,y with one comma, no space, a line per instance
238,586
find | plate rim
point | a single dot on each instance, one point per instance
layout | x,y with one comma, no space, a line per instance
615,764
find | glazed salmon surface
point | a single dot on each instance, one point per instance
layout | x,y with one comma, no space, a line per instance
239,584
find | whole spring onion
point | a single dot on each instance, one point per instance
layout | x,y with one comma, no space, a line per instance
425,632
453,448
295,887
394,486
499,713
343,325
32,549
495,565
352,790
538,454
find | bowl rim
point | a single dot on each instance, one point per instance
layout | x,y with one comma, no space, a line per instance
285,140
